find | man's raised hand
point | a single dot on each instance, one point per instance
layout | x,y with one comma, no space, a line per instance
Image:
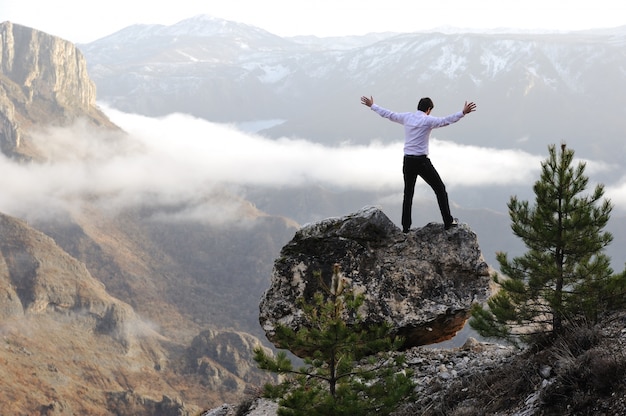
469,107
368,101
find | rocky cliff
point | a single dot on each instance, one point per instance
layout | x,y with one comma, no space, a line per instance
43,79
423,283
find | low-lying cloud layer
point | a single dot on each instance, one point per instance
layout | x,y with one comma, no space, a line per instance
183,160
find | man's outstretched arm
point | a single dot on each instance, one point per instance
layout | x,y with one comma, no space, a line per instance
383,112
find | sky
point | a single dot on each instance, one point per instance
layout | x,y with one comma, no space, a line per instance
81,21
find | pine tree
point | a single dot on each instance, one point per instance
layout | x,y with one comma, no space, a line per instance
564,275
350,370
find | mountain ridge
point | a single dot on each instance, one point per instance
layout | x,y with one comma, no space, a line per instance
529,86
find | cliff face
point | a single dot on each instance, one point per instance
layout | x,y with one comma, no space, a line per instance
43,80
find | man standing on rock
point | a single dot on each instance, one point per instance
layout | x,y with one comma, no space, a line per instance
417,128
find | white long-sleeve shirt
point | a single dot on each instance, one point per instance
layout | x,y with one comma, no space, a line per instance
417,127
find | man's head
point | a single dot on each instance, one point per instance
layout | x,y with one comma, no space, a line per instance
425,105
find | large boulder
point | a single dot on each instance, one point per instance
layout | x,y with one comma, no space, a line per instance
423,283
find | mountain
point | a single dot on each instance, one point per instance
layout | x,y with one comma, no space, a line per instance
115,311
532,89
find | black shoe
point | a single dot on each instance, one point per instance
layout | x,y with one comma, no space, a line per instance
454,223
405,231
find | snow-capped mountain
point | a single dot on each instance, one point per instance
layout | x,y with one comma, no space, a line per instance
532,89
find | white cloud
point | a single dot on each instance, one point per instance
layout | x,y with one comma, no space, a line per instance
226,154
186,161
617,193
463,165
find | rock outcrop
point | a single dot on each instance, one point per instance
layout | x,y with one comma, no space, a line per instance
422,283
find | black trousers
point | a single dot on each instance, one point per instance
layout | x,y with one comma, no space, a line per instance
414,166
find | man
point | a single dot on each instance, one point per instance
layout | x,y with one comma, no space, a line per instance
417,128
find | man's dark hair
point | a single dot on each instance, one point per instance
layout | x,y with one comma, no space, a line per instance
424,104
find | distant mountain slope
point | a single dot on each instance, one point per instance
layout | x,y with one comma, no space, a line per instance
532,89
